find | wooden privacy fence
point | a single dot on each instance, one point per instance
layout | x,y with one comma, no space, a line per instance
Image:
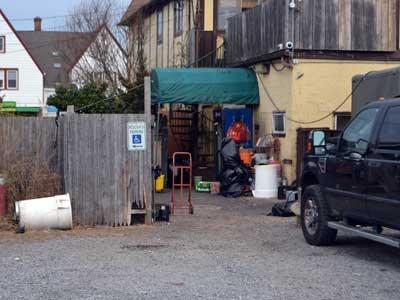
336,25
35,138
108,182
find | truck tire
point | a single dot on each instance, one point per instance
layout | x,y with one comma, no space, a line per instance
315,217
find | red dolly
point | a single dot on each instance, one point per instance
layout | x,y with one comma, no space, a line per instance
180,170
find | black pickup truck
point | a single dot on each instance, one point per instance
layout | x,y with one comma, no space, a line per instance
352,182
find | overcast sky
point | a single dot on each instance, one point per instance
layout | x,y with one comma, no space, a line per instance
17,9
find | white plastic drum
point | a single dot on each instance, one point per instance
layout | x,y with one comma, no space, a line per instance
266,181
45,213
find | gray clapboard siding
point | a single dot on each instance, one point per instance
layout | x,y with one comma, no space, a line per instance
90,153
339,25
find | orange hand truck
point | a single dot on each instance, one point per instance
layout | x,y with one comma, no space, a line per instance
180,170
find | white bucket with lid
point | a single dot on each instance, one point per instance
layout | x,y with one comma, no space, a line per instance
266,185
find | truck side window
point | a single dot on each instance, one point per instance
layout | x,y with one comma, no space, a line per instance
389,136
358,133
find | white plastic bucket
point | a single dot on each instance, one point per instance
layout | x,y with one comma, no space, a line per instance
266,185
45,213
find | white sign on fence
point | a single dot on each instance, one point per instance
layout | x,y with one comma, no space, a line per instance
136,136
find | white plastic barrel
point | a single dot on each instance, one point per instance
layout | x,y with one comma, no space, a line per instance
266,181
45,213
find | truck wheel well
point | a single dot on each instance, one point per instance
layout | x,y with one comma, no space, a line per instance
309,179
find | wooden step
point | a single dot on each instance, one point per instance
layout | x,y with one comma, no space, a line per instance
138,211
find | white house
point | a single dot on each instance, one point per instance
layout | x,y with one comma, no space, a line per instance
34,63
109,68
21,76
73,57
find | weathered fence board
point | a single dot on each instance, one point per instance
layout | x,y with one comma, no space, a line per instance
30,137
105,180
339,25
90,152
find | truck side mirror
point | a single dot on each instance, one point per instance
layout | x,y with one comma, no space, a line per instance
318,142
318,138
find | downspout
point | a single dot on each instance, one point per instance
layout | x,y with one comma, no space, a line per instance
43,101
293,8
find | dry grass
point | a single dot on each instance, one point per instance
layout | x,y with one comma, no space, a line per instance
29,181
27,170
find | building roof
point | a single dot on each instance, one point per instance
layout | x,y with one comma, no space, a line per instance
56,52
2,14
134,7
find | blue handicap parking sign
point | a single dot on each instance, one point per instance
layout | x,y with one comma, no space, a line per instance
136,139
136,136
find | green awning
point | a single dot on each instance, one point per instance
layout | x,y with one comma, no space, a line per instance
11,107
28,109
204,86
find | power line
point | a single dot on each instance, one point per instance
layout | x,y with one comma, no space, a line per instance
75,38
64,26
317,120
61,16
109,98
128,91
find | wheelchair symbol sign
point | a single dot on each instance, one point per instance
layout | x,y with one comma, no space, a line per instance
136,139
136,136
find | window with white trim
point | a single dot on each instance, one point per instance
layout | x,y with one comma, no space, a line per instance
2,80
178,14
278,123
12,79
2,44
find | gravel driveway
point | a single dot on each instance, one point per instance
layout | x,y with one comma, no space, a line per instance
229,249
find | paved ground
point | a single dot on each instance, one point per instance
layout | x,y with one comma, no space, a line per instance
229,249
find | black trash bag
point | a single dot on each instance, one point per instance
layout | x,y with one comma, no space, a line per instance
233,190
234,181
235,175
230,154
282,209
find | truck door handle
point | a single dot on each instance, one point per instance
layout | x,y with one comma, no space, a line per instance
354,156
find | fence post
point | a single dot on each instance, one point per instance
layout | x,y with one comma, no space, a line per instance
66,156
148,164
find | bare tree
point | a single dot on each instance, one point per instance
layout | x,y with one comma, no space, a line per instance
94,24
136,64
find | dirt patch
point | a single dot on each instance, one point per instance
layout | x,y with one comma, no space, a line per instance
6,225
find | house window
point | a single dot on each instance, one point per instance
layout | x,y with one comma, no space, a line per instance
159,26
2,44
178,13
2,80
278,123
341,120
12,79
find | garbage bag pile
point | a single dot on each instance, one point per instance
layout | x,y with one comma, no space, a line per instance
235,176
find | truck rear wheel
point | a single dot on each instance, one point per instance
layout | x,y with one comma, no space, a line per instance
315,217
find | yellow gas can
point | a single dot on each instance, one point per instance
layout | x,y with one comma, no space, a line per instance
160,183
